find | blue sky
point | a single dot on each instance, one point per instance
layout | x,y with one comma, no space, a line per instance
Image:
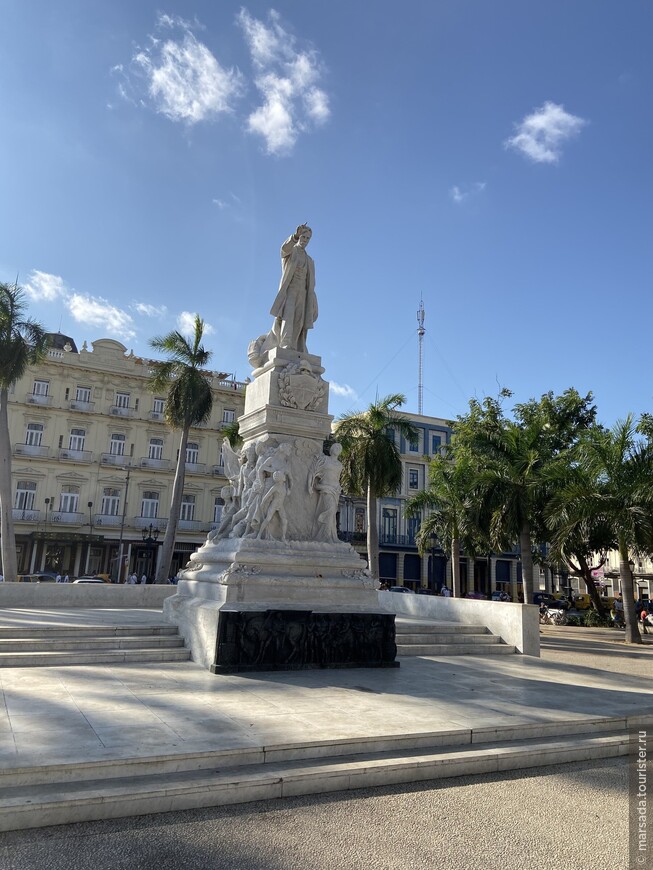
493,159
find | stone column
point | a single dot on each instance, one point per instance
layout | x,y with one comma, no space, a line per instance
493,574
514,594
424,572
400,569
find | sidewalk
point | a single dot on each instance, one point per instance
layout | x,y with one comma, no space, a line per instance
94,712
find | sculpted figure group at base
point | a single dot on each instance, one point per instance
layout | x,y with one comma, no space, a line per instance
258,502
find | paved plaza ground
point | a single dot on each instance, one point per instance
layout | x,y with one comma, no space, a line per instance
570,816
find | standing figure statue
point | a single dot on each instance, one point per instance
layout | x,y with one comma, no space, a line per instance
295,306
272,505
324,479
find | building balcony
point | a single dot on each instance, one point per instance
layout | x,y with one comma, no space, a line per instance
25,516
392,540
37,399
218,471
144,522
34,450
67,455
234,386
192,526
155,415
67,518
77,405
109,521
159,464
115,459
119,411
195,468
353,537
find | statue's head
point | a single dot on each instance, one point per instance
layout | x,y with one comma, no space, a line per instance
304,236
336,450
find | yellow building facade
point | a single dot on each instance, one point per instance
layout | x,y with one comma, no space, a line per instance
93,463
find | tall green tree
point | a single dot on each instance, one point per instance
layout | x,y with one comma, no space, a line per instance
23,342
511,457
449,508
618,468
188,403
371,459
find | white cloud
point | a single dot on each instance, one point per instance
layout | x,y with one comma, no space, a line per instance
95,311
460,194
184,80
287,81
186,324
43,287
342,390
149,310
540,136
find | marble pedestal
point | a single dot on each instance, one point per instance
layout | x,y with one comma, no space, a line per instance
279,590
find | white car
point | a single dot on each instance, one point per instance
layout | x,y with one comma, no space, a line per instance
89,580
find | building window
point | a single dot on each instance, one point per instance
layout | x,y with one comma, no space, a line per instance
390,434
413,446
413,478
76,440
413,526
155,450
436,444
41,388
192,453
110,502
359,520
69,499
157,406
122,400
83,394
228,416
25,494
187,510
389,528
150,505
34,434
218,505
117,445
221,457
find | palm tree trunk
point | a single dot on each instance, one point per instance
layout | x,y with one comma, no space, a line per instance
372,533
168,546
455,567
590,585
8,542
526,553
628,597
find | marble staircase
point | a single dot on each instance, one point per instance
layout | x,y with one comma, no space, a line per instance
427,637
53,794
45,646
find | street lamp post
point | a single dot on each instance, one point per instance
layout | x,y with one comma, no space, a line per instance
90,538
150,537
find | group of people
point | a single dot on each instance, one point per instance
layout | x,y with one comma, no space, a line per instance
64,579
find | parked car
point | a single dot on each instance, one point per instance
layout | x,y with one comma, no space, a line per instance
582,601
401,589
497,595
477,595
37,577
550,601
91,580
425,591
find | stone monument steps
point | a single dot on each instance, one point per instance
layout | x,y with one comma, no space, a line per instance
60,794
423,638
54,646
96,631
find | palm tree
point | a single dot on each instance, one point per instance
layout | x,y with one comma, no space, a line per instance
23,342
619,468
452,512
188,403
371,459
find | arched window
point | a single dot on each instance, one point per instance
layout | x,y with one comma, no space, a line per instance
25,494
150,505
155,450
77,439
34,434
187,510
117,444
192,453
110,502
69,499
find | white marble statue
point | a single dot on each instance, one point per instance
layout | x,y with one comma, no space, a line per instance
228,511
324,479
295,306
273,505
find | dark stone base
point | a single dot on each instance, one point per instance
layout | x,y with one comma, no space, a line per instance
290,640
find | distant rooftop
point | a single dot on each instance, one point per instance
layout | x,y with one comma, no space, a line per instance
58,341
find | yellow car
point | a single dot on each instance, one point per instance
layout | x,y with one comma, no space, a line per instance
582,601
